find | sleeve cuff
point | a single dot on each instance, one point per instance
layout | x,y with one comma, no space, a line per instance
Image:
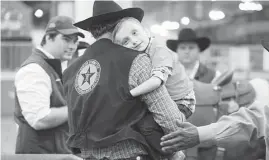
162,72
41,114
207,134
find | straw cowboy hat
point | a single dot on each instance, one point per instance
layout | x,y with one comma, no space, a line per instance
188,35
105,11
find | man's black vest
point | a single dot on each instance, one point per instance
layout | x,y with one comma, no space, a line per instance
96,85
48,141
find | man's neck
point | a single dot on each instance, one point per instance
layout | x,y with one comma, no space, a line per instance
190,66
46,51
192,69
106,36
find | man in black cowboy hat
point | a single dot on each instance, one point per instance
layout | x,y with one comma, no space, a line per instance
102,114
189,47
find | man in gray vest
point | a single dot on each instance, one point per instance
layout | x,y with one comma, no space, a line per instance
189,47
40,109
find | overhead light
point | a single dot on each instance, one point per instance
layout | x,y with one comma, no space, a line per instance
164,33
170,25
155,28
39,13
185,20
250,6
158,29
216,15
166,24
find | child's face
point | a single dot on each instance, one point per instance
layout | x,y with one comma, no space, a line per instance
132,35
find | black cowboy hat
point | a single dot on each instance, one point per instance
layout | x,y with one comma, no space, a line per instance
83,45
265,45
188,35
105,11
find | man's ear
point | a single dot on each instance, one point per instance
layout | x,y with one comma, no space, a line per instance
47,37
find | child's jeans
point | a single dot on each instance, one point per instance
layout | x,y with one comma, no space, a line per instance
153,134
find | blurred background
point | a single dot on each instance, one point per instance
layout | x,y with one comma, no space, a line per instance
234,27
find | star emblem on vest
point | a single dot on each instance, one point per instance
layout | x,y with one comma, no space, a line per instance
87,77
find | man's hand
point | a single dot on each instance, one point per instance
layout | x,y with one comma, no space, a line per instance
228,107
186,137
233,106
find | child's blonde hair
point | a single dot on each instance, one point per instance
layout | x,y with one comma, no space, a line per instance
119,25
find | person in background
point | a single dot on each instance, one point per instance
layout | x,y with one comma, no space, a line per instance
40,107
82,46
189,46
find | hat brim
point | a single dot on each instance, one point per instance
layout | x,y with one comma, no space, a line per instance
202,42
71,31
136,13
83,45
265,45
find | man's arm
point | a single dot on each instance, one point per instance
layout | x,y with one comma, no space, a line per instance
250,121
159,102
33,88
245,125
56,117
248,124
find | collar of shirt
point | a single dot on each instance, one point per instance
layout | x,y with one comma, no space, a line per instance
147,51
194,70
45,52
63,64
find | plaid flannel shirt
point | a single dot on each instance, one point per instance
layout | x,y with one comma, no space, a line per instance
164,109
187,103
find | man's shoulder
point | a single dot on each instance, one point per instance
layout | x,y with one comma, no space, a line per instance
32,64
31,69
126,50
